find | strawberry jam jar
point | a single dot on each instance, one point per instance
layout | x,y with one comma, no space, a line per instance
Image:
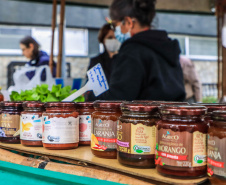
104,128
136,135
216,160
85,110
31,123
60,126
181,141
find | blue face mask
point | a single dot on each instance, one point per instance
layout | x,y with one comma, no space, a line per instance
120,36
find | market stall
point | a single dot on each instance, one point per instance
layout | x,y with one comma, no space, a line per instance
83,161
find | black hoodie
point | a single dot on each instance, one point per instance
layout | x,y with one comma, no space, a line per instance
147,68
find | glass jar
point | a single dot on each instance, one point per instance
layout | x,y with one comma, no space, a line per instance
136,135
61,126
10,123
31,124
1,95
104,128
85,110
181,141
210,108
216,160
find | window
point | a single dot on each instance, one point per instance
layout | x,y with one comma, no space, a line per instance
76,40
197,48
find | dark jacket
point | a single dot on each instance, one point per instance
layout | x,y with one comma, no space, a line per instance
147,68
42,59
105,61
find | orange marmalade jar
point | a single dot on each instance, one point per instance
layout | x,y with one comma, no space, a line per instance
60,126
216,160
181,141
85,110
104,128
31,123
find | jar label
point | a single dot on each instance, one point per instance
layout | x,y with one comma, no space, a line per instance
103,137
9,125
84,127
60,130
31,127
136,138
181,149
216,156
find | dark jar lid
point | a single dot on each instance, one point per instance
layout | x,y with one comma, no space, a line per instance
219,115
139,107
33,104
11,104
84,105
212,106
171,103
182,110
102,104
60,105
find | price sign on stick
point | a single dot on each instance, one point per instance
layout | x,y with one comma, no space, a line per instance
96,82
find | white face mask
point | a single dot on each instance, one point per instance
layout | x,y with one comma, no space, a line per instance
112,45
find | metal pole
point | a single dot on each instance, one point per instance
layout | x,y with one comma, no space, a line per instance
53,31
61,30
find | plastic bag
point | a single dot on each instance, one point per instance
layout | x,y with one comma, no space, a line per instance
22,82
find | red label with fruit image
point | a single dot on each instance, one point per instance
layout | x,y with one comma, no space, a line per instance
84,127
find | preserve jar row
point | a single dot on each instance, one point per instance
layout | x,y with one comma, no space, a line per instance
54,125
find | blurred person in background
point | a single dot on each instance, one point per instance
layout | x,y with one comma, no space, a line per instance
111,46
37,57
147,65
191,81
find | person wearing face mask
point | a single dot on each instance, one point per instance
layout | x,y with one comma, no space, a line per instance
147,65
30,49
111,46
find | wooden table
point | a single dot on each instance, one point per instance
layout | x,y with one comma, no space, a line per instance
83,155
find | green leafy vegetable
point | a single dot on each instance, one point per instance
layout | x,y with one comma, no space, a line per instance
41,93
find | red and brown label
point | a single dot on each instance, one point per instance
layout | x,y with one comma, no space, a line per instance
9,125
103,135
136,138
181,149
216,156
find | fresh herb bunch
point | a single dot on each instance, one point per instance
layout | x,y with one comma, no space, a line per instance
41,93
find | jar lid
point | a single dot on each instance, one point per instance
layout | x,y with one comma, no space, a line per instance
143,101
85,104
182,110
59,104
11,104
212,106
171,103
139,107
219,115
35,104
107,104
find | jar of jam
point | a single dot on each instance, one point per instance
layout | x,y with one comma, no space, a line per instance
10,123
85,110
216,160
210,108
181,141
31,124
1,95
61,126
104,128
136,135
